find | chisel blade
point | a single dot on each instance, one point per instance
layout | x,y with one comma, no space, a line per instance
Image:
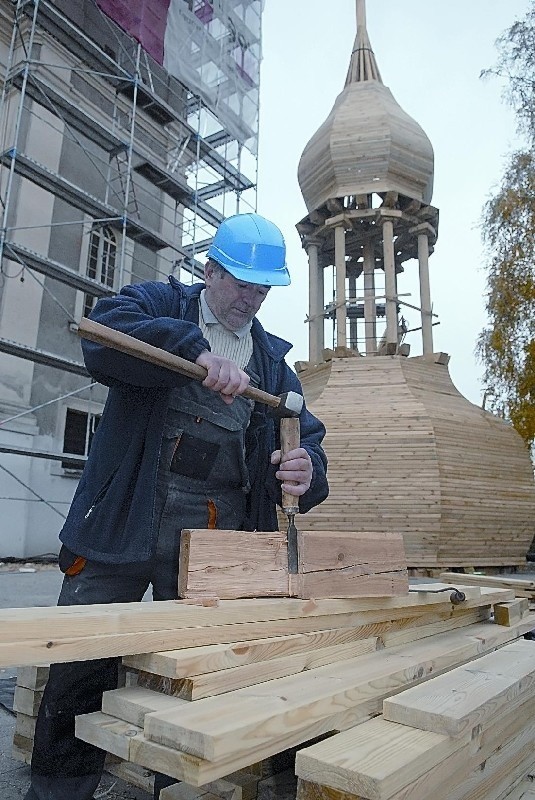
293,555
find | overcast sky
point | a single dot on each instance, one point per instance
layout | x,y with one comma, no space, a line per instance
430,53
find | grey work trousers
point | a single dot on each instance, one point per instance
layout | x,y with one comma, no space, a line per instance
64,767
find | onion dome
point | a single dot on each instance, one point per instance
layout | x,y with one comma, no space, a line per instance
367,144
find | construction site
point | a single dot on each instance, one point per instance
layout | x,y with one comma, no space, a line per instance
383,649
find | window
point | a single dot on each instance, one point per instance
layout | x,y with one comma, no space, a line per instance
100,262
78,435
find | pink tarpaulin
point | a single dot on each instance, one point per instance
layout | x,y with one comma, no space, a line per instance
145,20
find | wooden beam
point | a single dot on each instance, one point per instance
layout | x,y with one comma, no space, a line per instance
235,564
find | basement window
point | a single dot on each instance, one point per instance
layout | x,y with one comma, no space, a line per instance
78,436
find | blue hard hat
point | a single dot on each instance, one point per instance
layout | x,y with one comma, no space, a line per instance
252,249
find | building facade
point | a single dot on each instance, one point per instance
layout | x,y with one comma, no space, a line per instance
123,143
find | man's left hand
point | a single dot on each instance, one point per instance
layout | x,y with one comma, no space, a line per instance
295,470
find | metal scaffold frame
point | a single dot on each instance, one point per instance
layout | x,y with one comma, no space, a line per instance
157,168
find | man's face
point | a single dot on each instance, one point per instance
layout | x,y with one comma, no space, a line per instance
233,302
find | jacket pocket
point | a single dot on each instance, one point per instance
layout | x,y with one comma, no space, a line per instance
100,495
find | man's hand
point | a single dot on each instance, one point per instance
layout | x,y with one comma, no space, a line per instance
224,376
295,470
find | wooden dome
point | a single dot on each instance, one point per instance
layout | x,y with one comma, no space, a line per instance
409,454
368,144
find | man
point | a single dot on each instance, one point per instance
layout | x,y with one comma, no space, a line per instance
171,453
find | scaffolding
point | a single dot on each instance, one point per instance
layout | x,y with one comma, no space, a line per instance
112,171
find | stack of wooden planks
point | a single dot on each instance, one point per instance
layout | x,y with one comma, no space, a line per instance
463,735
222,687
256,697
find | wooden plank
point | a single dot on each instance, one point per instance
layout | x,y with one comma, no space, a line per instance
132,703
210,684
56,634
27,701
98,729
524,790
216,727
499,581
460,700
212,658
114,735
67,621
374,760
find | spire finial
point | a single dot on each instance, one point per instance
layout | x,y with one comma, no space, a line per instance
361,15
363,66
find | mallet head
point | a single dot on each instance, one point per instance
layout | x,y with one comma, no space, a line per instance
290,405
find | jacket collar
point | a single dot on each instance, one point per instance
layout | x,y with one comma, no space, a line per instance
274,347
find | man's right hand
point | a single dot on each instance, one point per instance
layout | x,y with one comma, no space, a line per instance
224,376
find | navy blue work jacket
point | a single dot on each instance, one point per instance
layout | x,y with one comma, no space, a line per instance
111,515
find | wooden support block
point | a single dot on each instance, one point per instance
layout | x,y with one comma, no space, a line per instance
511,613
308,790
27,701
21,754
455,703
238,786
22,748
137,776
32,677
236,564
25,725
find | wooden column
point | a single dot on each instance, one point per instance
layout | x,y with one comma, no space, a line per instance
353,327
390,283
425,292
340,267
370,332
315,302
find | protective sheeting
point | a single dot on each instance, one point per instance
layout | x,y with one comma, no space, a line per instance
212,46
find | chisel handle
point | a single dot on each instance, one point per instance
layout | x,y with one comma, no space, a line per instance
290,434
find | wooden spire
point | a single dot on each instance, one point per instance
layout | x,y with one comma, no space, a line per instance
363,65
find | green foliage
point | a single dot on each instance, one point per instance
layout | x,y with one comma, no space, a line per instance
506,346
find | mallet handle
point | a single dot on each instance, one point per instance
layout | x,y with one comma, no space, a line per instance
109,337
